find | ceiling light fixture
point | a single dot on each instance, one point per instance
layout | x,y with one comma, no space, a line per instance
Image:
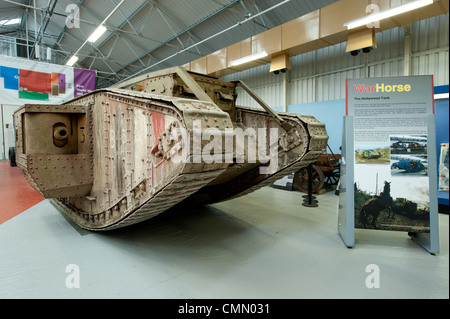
412,5
10,21
121,83
249,58
97,34
72,61
94,36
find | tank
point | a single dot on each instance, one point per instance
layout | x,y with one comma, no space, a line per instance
408,165
121,155
371,154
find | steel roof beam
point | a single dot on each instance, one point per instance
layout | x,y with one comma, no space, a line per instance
44,24
217,34
114,32
185,31
60,37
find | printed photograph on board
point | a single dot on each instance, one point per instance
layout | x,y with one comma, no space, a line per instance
387,202
372,154
443,168
408,155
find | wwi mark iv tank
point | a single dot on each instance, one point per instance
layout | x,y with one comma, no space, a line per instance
107,158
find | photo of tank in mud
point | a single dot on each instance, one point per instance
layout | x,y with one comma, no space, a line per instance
372,155
408,144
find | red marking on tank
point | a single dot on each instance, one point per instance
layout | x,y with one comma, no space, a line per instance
159,125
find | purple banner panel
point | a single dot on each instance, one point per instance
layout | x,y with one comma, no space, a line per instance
62,83
84,81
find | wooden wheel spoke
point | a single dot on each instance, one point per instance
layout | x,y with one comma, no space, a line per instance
301,179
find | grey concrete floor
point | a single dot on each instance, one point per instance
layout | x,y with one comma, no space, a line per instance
263,245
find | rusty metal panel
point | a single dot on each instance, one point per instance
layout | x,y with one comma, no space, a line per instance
62,175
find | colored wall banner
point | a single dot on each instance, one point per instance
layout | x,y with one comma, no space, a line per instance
33,96
58,83
84,81
391,182
11,77
24,81
32,81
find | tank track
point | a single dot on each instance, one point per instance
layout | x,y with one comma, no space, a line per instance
316,144
176,191
287,171
249,182
183,187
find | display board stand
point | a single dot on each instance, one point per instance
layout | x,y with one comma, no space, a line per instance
430,241
388,178
346,213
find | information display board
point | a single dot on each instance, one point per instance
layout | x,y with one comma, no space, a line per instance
390,127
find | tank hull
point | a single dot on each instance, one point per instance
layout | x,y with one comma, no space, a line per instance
115,157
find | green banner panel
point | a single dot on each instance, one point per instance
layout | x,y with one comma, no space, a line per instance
33,96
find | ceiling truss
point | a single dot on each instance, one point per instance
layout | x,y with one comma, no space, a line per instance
142,34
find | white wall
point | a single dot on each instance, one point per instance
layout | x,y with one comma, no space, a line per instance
320,75
7,129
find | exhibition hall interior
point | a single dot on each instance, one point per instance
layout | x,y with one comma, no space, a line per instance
224,151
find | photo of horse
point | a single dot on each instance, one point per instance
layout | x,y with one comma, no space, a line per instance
390,203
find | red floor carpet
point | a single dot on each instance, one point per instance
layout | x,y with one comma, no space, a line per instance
16,195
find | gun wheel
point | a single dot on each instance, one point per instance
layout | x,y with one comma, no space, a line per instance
301,179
